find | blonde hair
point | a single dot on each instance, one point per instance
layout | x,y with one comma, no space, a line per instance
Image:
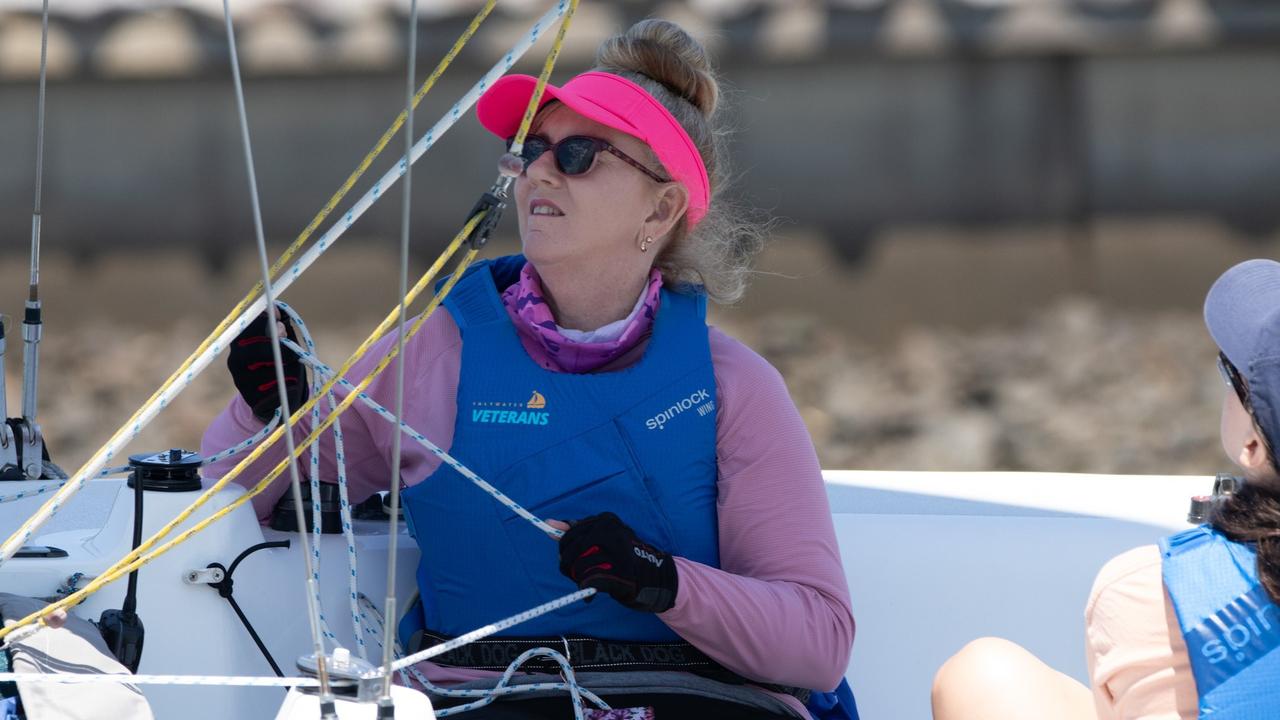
674,68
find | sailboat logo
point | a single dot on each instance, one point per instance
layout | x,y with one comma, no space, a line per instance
508,412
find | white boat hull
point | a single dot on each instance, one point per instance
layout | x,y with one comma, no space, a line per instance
933,560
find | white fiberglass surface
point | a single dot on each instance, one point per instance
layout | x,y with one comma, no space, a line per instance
935,560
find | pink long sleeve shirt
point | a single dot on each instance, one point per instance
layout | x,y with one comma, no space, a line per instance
777,610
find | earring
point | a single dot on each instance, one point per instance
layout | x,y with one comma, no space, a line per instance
644,244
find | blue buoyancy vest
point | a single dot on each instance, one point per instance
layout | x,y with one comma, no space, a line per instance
1231,627
640,442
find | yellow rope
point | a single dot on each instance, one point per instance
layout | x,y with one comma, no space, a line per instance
136,558
275,268
131,560
543,77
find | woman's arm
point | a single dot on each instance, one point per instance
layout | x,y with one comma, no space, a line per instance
1138,664
778,609
433,358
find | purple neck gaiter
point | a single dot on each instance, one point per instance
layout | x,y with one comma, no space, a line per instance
570,350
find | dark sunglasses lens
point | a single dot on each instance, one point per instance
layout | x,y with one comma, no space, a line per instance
575,155
534,146
1225,373
1232,377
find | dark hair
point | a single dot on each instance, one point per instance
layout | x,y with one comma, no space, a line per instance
674,68
1252,515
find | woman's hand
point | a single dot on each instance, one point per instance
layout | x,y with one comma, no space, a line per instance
253,368
602,552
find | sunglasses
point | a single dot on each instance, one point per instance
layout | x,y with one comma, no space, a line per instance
1231,376
576,154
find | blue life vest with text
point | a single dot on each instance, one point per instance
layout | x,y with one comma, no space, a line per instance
1231,627
640,442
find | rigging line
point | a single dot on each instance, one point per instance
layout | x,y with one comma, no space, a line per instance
326,699
31,325
493,628
393,517
31,493
422,440
517,143
260,681
495,691
344,499
135,558
123,679
489,696
350,182
183,377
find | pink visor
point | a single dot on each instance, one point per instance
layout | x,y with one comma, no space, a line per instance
613,101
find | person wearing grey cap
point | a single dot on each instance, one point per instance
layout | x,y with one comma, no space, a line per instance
1188,628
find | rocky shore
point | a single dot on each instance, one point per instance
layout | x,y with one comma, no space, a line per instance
1078,388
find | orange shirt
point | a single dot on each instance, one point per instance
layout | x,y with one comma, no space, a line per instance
1138,665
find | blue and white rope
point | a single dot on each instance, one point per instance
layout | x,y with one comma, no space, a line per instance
345,507
491,629
421,439
229,452
243,444
501,689
33,492
153,408
258,681
124,679
566,671
375,627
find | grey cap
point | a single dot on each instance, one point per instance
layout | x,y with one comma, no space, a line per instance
1242,312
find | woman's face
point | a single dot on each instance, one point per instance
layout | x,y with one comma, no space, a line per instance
1242,441
599,216
1237,425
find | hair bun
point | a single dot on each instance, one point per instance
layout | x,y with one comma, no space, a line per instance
664,52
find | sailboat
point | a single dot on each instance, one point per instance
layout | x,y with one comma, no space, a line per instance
933,559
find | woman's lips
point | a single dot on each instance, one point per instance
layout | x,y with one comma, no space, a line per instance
544,208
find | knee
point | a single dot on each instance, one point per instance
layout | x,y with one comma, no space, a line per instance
983,668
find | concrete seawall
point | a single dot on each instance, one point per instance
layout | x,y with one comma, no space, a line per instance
846,143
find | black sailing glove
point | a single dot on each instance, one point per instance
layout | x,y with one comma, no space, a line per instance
602,552
253,369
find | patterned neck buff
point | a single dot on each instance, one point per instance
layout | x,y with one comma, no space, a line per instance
577,351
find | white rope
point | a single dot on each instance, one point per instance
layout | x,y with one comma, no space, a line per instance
210,680
257,681
313,608
421,439
316,514
376,629
238,447
501,689
493,628
566,670
34,492
286,279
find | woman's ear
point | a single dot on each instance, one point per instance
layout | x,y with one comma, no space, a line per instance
669,205
1253,453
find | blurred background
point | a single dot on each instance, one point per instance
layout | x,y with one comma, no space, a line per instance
997,219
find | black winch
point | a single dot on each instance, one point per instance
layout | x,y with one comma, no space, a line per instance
285,518
167,471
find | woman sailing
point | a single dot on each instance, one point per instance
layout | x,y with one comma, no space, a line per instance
582,380
1188,628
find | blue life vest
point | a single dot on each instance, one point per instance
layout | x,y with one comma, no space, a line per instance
640,442
1231,627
